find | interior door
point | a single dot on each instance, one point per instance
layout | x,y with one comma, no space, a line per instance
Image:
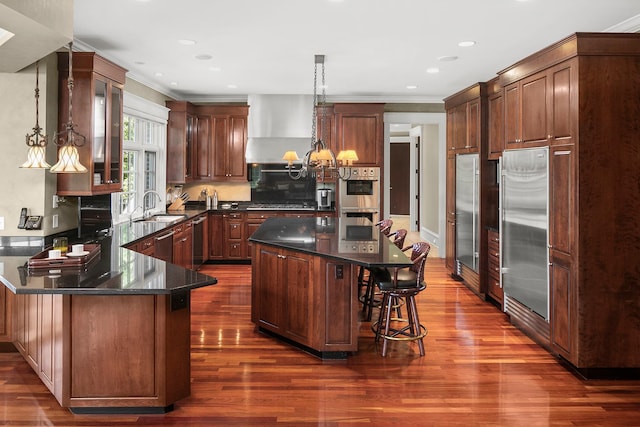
399,178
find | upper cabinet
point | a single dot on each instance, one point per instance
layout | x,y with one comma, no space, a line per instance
97,113
538,108
181,133
464,120
360,127
206,142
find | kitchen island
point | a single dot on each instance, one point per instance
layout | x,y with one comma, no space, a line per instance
304,288
112,336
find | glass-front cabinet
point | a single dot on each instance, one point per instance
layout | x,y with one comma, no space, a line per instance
97,114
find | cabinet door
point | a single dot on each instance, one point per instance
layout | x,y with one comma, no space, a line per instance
270,289
564,103
512,115
460,127
6,304
360,128
450,253
220,147
216,236
114,155
296,276
473,126
535,109
562,309
562,198
237,139
496,125
203,152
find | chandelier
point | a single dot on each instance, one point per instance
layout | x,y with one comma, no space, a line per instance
36,141
69,139
320,158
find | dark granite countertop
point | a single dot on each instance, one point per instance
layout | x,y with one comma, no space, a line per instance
327,237
117,270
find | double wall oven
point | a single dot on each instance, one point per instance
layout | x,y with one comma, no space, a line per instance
359,199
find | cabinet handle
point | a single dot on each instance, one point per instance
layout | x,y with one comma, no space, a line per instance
169,234
282,256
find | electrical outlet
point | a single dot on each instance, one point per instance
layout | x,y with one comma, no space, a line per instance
55,201
55,221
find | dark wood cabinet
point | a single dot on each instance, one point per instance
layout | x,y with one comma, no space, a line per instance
584,82
494,286
360,127
181,133
216,237
495,117
234,243
206,143
98,107
6,304
229,141
183,244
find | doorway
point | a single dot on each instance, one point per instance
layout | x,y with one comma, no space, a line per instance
399,178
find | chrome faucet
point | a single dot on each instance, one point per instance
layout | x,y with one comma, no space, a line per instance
145,212
132,212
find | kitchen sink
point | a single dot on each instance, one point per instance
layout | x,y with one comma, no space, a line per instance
164,218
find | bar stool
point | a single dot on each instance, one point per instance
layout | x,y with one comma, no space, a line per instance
402,284
384,228
368,301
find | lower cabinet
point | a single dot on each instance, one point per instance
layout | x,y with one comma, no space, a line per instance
6,304
234,245
183,244
494,288
98,351
216,237
307,299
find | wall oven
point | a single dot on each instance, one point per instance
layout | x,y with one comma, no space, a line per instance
361,190
358,233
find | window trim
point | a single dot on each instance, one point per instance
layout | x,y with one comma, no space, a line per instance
142,108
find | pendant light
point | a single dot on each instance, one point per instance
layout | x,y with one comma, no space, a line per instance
319,157
36,141
68,140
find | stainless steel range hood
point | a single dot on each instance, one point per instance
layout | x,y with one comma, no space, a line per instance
278,123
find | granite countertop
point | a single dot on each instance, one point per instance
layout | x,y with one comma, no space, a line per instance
326,237
116,270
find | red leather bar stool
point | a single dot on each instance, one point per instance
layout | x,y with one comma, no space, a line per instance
402,285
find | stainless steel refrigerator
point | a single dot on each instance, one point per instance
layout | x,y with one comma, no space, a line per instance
524,227
467,211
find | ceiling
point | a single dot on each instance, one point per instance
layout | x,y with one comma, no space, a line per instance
374,48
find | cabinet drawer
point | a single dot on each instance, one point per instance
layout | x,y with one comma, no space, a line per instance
235,215
494,269
259,217
235,250
234,230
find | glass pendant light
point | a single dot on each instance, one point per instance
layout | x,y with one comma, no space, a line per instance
69,139
36,141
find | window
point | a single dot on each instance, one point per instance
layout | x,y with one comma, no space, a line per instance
143,159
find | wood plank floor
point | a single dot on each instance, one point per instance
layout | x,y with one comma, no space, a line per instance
478,370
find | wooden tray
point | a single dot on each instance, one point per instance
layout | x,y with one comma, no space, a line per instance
42,260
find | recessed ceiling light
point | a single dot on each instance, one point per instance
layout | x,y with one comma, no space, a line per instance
187,42
204,57
215,68
412,87
232,86
433,70
447,58
139,62
159,74
174,83
466,43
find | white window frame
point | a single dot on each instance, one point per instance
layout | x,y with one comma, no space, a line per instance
143,109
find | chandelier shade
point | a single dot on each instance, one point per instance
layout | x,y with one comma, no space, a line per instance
68,140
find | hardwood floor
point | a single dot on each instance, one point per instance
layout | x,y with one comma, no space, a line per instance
478,370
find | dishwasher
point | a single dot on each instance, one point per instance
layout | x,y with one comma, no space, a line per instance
198,241
163,246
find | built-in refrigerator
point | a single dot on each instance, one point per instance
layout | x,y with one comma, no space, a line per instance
524,228
467,211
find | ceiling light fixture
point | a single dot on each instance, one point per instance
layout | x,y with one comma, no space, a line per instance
187,42
36,141
320,158
447,58
68,140
433,70
467,43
